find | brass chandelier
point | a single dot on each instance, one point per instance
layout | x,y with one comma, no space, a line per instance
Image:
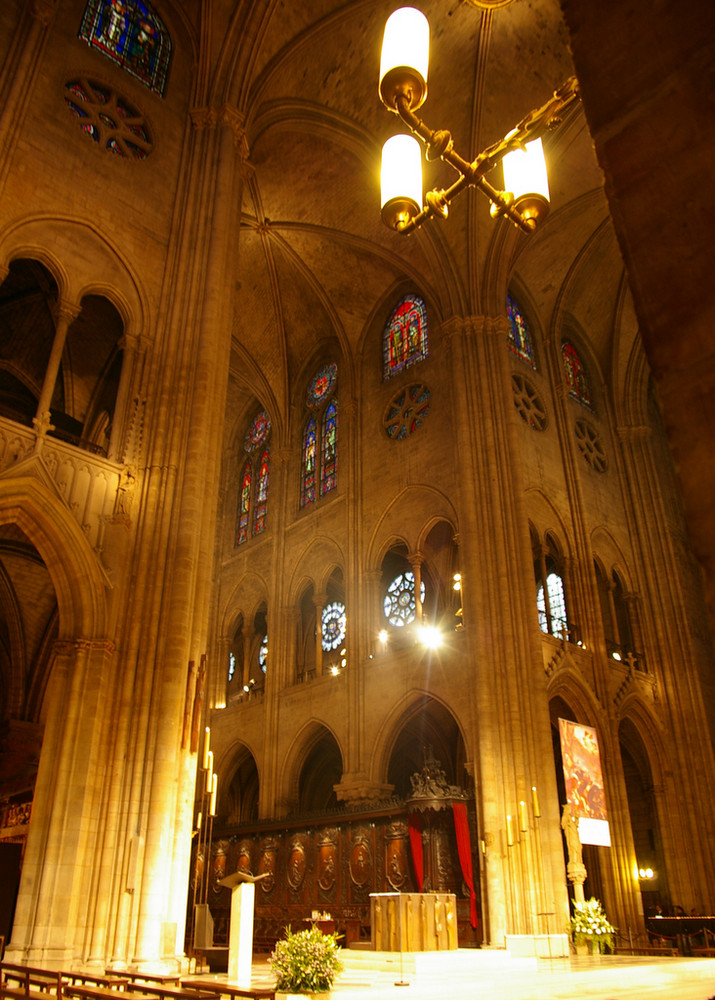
403,89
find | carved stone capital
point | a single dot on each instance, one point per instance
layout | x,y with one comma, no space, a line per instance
222,117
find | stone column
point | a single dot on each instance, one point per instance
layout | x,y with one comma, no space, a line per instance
319,604
64,315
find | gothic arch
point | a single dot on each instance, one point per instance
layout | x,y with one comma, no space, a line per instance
426,506
442,723
79,582
100,270
307,740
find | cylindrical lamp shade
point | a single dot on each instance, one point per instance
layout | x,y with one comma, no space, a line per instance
526,178
405,57
401,180
525,171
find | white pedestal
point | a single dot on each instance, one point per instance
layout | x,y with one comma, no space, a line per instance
538,945
240,941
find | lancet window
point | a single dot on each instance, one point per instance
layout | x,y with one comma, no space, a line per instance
254,480
404,341
518,338
131,34
319,461
575,372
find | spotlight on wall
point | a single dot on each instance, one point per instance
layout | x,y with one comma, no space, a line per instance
382,636
429,636
646,873
403,89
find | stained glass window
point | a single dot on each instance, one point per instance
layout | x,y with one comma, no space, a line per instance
334,625
399,604
253,491
131,34
322,386
244,505
518,338
329,460
405,338
263,654
575,373
406,411
307,488
107,118
552,619
231,666
319,455
259,514
258,432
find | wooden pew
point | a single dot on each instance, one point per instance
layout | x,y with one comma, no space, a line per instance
232,990
88,991
113,980
161,978
185,992
28,981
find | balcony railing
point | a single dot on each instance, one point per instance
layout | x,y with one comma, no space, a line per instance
87,483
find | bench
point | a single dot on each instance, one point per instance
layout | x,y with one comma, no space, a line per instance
231,989
113,980
87,991
185,992
26,977
162,978
644,950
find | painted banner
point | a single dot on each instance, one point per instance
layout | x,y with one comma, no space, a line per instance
584,782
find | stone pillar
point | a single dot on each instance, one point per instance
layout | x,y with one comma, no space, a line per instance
64,851
23,61
416,559
64,315
319,604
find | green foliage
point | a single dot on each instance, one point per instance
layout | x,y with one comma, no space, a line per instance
589,923
306,962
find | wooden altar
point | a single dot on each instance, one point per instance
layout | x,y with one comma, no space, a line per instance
413,921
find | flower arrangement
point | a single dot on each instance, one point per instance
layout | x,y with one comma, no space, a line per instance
306,962
589,924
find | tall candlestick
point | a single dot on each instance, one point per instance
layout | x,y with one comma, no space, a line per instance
214,790
535,802
509,831
207,742
523,824
209,771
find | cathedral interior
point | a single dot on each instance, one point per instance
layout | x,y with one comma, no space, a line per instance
313,533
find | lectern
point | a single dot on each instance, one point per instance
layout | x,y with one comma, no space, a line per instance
240,938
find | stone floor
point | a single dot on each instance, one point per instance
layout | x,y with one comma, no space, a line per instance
473,975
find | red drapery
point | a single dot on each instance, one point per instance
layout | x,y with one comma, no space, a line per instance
414,825
461,828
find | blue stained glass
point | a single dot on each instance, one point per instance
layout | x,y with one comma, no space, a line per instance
405,337
263,654
307,486
399,605
334,626
131,34
518,338
329,462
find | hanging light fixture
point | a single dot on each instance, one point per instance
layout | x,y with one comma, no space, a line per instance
403,89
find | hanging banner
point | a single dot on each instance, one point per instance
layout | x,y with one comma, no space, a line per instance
584,782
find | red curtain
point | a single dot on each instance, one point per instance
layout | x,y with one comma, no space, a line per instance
461,828
414,825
